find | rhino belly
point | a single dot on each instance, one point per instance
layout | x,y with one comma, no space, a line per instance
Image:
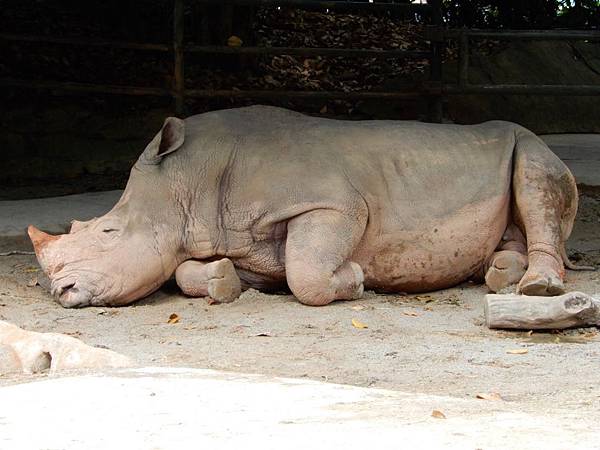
438,253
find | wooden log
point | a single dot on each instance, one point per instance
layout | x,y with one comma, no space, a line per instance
522,312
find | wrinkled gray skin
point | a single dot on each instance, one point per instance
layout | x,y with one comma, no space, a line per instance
266,197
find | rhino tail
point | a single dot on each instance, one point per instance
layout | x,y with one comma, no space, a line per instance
570,265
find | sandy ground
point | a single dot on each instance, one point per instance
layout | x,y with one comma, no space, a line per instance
430,344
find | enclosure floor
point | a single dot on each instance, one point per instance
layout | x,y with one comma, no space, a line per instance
431,344
191,409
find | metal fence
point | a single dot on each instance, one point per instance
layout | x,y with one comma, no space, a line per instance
433,90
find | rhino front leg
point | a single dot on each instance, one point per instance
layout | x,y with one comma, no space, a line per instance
217,279
508,263
317,257
504,268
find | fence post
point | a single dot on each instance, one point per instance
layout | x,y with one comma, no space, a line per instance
178,76
435,104
463,58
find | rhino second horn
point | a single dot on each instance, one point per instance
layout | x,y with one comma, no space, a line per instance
39,239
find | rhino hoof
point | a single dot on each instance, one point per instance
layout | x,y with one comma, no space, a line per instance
542,285
228,287
507,268
359,292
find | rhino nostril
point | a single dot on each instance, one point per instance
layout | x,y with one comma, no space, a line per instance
62,289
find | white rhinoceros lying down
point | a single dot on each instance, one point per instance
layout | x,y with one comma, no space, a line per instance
264,197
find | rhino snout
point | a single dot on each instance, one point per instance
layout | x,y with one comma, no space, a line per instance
70,294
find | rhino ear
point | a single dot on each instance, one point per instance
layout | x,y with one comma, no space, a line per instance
169,139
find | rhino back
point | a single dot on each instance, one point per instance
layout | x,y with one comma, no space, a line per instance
405,171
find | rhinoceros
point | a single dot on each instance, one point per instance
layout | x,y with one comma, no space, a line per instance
267,198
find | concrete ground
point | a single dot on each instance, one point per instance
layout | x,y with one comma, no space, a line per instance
192,409
426,352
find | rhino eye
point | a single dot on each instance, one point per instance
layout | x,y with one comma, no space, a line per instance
109,230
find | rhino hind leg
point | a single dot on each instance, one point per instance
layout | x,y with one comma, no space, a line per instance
317,257
545,204
217,279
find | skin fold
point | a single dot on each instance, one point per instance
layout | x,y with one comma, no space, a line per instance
272,199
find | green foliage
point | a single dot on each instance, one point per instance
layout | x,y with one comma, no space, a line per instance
519,14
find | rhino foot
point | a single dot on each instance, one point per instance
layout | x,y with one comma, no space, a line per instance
506,267
544,276
217,279
542,285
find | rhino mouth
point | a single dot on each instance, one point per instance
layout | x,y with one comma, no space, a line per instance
70,293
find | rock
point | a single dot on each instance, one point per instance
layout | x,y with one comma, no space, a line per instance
9,361
31,352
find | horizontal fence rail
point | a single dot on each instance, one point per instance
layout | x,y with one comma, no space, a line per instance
545,35
524,89
332,5
84,42
69,86
330,95
193,48
308,51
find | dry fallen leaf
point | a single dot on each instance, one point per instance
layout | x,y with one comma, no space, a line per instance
489,396
358,307
31,270
234,41
517,351
357,324
410,313
438,414
212,301
173,318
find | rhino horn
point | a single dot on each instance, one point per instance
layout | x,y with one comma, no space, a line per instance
39,239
